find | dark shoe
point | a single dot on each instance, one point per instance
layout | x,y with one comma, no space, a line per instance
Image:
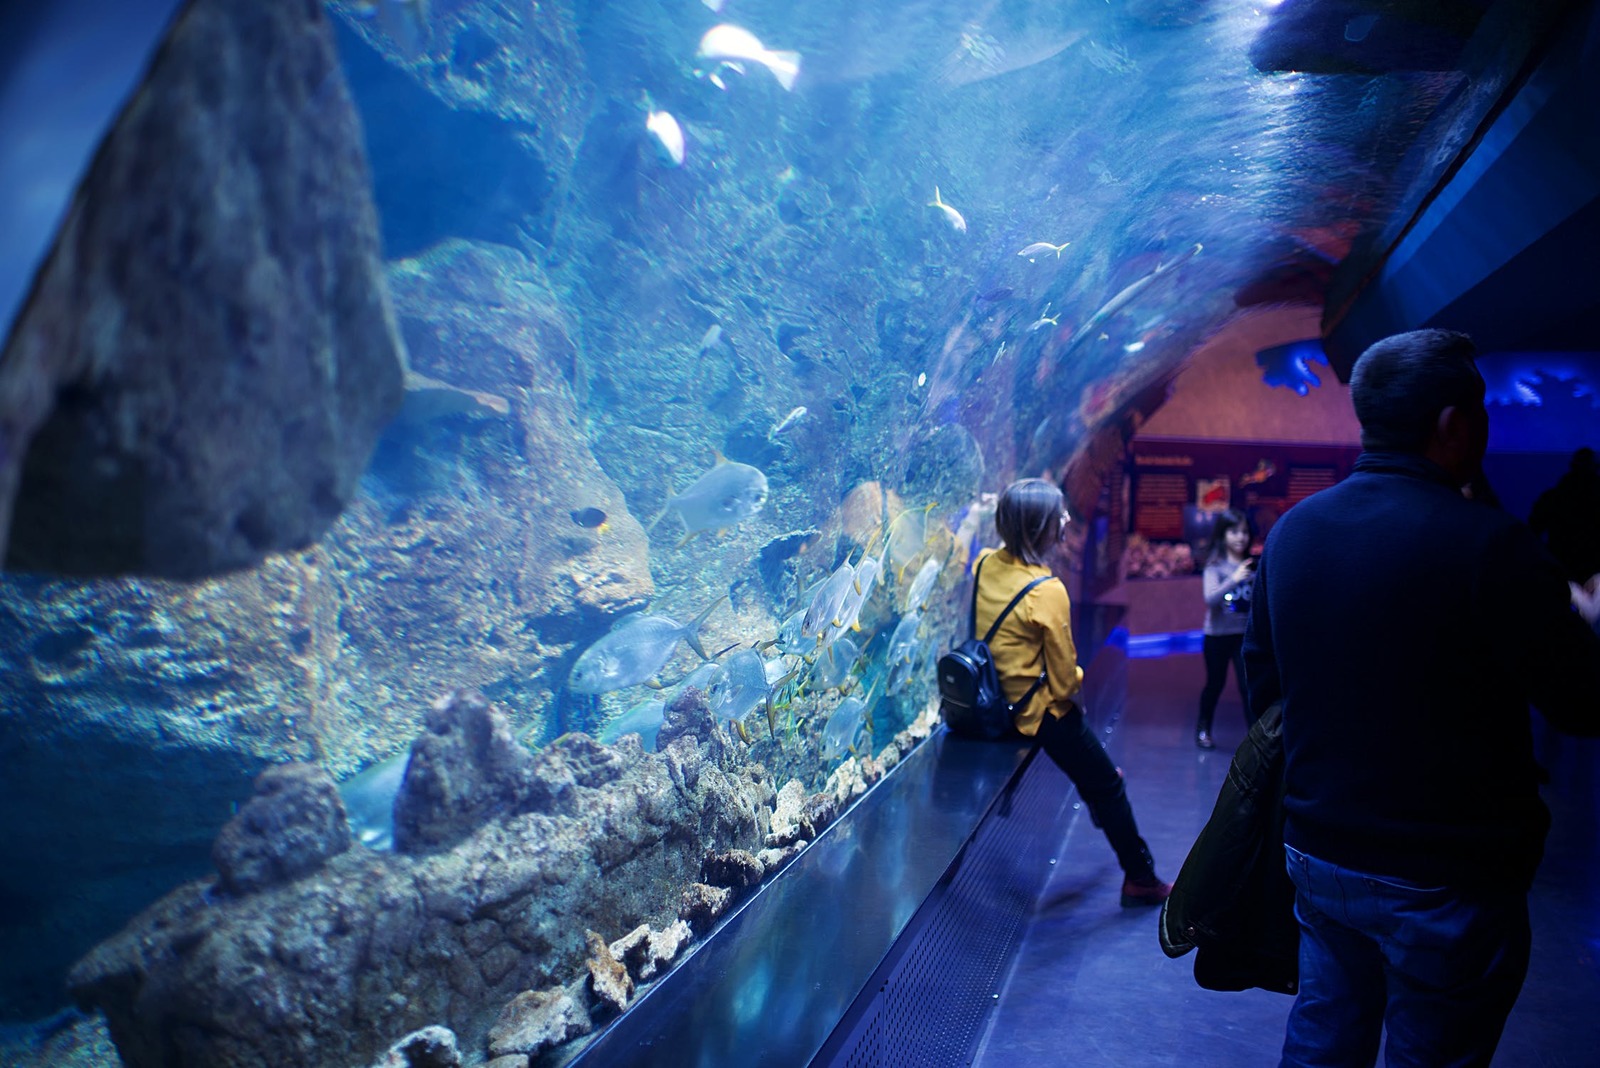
1202,739
1151,891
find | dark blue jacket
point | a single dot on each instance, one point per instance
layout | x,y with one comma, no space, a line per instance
1406,630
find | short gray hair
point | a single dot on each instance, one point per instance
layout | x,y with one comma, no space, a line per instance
1402,383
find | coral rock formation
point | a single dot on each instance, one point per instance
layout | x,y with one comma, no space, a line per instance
293,824
580,837
466,768
536,1020
431,1047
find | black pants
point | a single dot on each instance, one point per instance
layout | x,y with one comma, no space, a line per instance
1070,743
1220,650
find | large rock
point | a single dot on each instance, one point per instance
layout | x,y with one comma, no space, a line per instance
464,770
291,826
208,355
399,942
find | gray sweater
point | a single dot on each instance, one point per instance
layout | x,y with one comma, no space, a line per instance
1221,616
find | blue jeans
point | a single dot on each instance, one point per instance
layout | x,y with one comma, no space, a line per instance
1439,969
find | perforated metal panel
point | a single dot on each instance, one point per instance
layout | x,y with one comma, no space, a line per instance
927,1004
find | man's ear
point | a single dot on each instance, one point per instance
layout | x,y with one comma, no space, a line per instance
1456,446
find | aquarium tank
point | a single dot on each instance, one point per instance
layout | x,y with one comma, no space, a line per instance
484,484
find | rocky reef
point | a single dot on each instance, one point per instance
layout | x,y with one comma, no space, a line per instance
311,951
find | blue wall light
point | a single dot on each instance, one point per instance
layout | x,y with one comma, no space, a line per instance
1289,365
1542,401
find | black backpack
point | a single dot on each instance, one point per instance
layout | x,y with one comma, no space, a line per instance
970,698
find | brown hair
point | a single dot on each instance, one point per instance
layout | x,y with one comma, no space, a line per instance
1028,517
1225,521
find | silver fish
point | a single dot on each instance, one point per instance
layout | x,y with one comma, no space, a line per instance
723,497
634,651
855,599
787,422
742,687
828,599
902,652
951,215
668,134
369,800
643,719
1039,248
834,664
839,733
731,44
922,585
1122,299
792,638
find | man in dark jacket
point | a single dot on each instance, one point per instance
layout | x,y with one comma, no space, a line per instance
1406,629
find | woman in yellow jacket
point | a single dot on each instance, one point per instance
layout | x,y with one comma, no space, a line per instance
1037,636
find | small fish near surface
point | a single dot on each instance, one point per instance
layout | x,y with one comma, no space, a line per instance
723,497
951,215
1039,248
788,422
634,651
730,44
1092,325
668,135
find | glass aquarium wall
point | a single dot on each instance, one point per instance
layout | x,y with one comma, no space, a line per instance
488,481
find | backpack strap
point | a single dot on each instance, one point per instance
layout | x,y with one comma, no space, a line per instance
995,628
1001,618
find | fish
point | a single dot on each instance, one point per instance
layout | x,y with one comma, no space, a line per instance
922,585
902,652
637,648
791,636
1122,299
668,134
643,719
855,599
827,601
368,798
1039,248
1045,319
723,497
951,215
741,688
710,338
589,518
734,44
834,663
908,536
787,422
714,76
840,732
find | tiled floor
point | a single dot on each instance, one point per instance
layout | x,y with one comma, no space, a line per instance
1091,986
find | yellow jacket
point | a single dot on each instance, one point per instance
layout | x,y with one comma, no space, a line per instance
1037,635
